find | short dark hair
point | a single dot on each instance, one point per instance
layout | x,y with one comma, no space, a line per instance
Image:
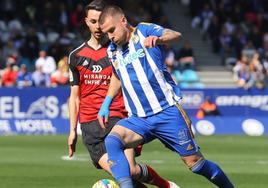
95,5
110,10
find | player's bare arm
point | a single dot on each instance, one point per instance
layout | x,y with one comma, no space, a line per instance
73,113
169,36
114,88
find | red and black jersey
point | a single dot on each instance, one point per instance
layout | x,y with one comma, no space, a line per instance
91,70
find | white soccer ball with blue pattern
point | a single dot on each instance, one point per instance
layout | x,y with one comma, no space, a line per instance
105,183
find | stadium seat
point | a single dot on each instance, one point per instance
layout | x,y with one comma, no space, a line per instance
189,76
177,75
184,85
198,85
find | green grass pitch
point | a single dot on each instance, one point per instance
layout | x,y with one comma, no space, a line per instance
36,162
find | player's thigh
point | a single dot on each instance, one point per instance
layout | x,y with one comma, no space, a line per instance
92,133
134,131
172,128
130,138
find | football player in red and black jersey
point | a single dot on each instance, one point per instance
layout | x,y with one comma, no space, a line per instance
90,73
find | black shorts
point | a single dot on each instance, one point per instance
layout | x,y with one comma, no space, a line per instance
93,138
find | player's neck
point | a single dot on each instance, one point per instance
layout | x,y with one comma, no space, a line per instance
95,43
131,30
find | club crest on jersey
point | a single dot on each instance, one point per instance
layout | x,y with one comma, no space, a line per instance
183,136
135,39
124,61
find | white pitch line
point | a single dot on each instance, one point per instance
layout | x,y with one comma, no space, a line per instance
77,157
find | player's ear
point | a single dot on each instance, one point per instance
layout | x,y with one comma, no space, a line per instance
87,21
124,20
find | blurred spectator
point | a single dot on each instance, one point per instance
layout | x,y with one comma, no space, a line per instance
47,63
226,44
14,26
63,15
241,71
63,64
264,50
255,36
49,16
214,30
78,16
170,58
185,57
24,78
30,46
9,49
265,65
257,72
239,41
203,18
250,72
39,78
9,75
61,76
207,108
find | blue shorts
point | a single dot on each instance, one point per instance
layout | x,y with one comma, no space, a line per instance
171,126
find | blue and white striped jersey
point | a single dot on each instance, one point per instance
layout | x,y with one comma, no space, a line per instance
147,86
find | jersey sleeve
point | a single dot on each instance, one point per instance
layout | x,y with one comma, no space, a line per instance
151,29
74,76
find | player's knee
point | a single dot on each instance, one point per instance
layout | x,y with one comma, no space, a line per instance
192,160
113,142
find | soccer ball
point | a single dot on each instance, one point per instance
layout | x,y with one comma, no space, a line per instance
105,183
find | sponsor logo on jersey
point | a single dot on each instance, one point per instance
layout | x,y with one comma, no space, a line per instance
189,147
130,57
85,63
96,68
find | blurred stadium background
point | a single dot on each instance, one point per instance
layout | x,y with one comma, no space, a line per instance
221,65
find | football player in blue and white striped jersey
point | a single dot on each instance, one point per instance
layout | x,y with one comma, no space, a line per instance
151,98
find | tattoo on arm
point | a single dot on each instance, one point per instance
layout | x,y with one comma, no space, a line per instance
168,32
169,36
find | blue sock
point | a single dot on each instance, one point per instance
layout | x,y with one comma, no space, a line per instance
117,159
125,183
213,173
